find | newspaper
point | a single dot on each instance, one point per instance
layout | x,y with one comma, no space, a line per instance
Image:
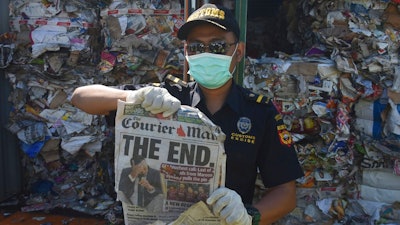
164,166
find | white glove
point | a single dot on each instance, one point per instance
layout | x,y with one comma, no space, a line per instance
155,99
228,205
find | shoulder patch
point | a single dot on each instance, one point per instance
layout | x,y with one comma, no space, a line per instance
278,117
176,80
284,136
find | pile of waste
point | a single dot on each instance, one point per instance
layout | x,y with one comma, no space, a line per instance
339,95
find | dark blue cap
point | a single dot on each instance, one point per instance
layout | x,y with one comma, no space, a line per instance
213,14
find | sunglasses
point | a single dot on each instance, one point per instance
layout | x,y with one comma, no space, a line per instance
216,47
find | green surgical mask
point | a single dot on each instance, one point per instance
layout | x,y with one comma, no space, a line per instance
210,70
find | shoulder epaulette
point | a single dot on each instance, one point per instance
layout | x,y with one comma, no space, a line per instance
176,80
258,98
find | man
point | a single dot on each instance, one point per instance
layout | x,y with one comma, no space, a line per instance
256,137
139,178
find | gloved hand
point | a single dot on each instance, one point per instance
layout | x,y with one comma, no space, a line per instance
155,100
228,205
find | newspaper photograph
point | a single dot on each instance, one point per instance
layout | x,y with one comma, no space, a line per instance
164,166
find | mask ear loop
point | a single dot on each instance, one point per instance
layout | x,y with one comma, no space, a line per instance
236,47
234,52
185,64
185,51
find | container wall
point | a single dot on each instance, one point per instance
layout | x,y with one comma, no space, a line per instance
10,171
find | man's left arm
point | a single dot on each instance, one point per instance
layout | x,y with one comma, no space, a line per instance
280,197
277,202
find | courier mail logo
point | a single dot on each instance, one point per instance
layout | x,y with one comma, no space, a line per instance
190,131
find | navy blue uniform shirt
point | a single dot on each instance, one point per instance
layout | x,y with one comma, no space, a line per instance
255,137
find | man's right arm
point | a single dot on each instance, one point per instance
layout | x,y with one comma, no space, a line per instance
100,99
97,99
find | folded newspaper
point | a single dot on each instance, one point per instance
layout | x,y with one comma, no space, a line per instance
164,166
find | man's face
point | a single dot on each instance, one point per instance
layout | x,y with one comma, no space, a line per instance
143,167
201,189
208,33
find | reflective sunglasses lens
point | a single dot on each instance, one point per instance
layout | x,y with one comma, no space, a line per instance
214,47
192,48
217,47
195,48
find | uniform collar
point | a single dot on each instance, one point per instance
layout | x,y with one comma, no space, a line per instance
197,95
234,99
